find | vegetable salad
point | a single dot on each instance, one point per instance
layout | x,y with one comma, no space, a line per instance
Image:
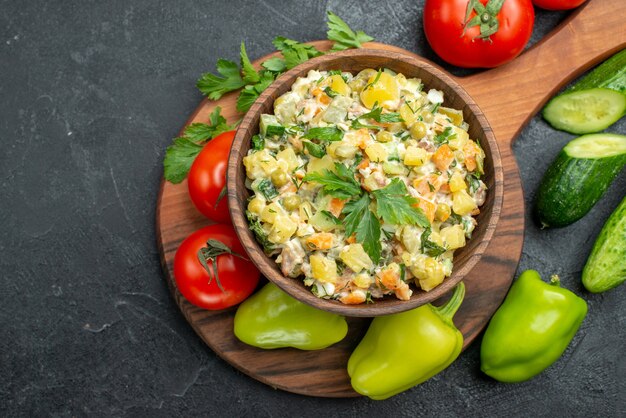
363,184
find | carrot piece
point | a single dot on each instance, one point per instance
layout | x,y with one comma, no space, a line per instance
351,239
363,138
443,157
363,164
389,278
353,298
335,206
428,185
320,241
470,150
428,207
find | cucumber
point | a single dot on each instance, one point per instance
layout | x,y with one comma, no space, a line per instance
611,74
591,104
606,265
585,111
578,177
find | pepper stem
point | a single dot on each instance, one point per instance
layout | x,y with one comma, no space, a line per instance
448,310
555,280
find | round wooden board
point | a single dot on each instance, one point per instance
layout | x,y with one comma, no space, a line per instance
523,85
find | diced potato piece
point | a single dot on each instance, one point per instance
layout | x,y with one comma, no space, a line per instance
363,280
322,222
355,257
271,211
289,157
428,272
370,183
456,116
443,157
384,90
453,236
260,164
459,140
376,152
318,165
323,269
411,238
443,212
285,108
462,203
320,241
406,113
340,149
282,230
457,182
305,211
256,205
436,238
337,110
337,84
416,156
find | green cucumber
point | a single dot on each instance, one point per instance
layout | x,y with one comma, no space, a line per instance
578,177
592,104
611,74
585,111
606,265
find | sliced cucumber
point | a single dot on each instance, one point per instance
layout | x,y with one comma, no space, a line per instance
585,111
611,74
606,265
578,177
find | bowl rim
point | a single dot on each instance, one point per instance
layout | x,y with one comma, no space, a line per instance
268,266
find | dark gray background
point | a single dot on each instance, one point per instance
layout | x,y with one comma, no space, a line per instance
91,94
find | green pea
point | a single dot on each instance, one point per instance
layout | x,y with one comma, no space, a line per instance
292,202
418,130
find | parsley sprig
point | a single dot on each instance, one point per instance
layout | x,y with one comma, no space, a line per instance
180,155
395,206
232,77
341,184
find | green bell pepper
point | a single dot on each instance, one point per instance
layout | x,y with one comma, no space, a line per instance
272,319
402,350
531,329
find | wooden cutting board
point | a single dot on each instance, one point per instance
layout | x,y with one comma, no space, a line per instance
509,96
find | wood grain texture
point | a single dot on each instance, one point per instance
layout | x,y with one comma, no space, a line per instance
509,96
354,61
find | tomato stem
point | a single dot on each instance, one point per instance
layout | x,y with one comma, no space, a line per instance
214,248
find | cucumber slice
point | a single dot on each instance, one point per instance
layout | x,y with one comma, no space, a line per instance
578,177
611,74
585,111
605,268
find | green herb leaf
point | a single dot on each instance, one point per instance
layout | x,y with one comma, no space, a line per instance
259,233
314,149
275,64
250,75
258,143
445,136
328,133
251,92
362,221
215,86
267,189
474,182
341,185
343,36
395,206
330,92
180,155
295,52
178,159
274,130
428,247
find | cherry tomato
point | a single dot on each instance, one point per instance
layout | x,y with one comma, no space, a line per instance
207,178
236,275
461,45
558,4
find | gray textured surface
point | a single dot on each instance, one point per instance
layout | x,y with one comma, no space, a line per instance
92,93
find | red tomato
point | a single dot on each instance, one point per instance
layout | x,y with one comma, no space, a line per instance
558,4
207,178
238,277
444,24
